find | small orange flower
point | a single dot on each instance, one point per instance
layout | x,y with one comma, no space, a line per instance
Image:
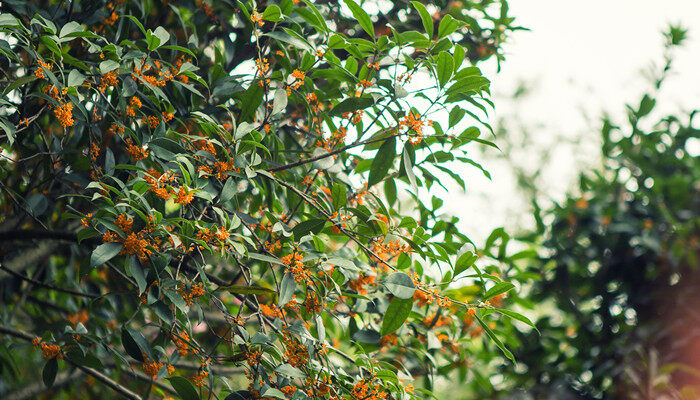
183,196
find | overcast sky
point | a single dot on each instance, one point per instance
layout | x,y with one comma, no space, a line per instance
582,58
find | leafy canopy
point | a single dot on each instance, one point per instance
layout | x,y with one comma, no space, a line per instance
228,199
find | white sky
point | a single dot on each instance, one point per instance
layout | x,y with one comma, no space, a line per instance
583,59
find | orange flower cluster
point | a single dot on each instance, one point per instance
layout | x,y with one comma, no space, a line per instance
135,152
438,321
413,122
253,357
152,121
387,251
342,218
299,76
64,113
367,390
153,73
184,196
181,342
360,284
85,221
262,65
134,243
288,390
271,311
297,268
256,18
151,368
157,181
108,79
296,354
39,73
199,379
195,290
48,351
219,169
79,317
207,10
312,304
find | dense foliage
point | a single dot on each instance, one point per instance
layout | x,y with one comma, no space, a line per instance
230,199
619,269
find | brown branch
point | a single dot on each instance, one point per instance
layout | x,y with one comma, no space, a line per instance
334,152
116,386
64,378
46,285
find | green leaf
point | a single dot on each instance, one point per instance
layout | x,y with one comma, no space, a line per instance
108,66
75,78
339,195
499,288
104,253
444,68
383,161
134,270
352,104
251,101
280,101
49,373
51,44
137,22
408,167
448,25
69,28
396,314
303,228
425,17
288,370
312,16
400,285
287,38
272,392
184,388
517,316
495,339
464,261
361,17
17,83
287,288
135,344
272,13
228,191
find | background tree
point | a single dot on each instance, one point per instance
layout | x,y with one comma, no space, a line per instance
619,269
228,199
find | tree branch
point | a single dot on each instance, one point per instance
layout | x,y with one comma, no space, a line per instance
116,386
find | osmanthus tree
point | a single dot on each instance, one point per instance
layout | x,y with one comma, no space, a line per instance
227,199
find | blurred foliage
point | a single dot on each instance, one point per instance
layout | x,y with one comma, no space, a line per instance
619,266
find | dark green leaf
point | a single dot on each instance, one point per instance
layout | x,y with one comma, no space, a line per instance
444,67
425,17
400,285
287,288
352,104
303,228
184,388
383,161
49,372
104,253
396,314
499,288
361,17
